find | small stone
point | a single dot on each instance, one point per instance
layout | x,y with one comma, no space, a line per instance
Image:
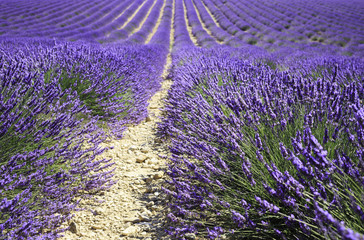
129,231
146,212
97,227
190,236
133,148
144,150
148,119
73,228
141,159
143,217
152,161
154,208
134,220
158,175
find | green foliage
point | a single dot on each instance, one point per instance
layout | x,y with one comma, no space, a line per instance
245,28
252,41
76,81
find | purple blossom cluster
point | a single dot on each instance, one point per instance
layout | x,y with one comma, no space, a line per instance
55,99
259,152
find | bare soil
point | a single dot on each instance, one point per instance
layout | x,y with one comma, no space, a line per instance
134,207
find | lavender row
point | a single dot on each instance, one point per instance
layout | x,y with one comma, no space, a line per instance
263,153
162,35
203,38
236,35
13,10
120,20
53,99
258,29
26,16
181,36
51,15
83,22
127,30
289,29
42,29
94,15
149,24
229,28
264,23
209,22
103,27
42,156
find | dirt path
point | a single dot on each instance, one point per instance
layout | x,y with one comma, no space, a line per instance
132,208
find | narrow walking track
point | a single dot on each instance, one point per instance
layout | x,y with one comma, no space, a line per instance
132,208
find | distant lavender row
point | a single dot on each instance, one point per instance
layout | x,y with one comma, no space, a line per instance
102,26
127,30
222,34
148,26
181,36
268,24
162,35
44,16
203,38
92,14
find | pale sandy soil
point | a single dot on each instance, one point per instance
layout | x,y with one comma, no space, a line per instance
134,207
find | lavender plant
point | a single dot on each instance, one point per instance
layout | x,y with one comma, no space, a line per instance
55,100
44,166
265,154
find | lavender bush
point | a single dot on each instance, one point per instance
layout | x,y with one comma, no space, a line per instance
55,100
264,153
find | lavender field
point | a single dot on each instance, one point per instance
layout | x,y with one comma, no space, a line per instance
264,120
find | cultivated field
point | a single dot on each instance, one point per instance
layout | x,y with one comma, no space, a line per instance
181,119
